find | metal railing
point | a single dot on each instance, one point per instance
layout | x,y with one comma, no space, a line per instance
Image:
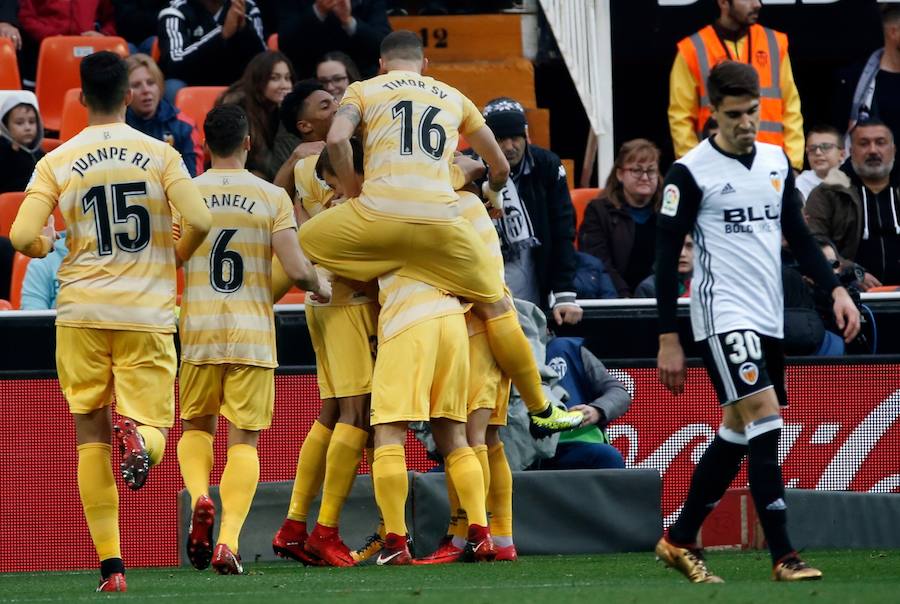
582,31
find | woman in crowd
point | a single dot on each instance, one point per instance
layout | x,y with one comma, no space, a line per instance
335,71
153,115
620,226
267,79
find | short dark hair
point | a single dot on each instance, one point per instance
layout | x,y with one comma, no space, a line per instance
730,78
292,105
402,44
870,122
827,129
104,81
225,128
323,164
890,13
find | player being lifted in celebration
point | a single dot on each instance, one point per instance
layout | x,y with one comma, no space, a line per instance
228,333
116,304
737,198
404,217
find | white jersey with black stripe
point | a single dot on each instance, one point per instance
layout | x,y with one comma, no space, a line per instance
737,280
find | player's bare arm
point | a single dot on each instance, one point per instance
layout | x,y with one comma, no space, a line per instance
344,125
485,145
297,267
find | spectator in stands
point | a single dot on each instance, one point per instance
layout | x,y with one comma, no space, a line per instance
737,36
306,114
307,28
9,22
598,395
335,71
7,253
136,22
40,287
267,80
44,18
620,227
21,135
207,42
873,90
537,228
157,117
858,206
824,152
647,287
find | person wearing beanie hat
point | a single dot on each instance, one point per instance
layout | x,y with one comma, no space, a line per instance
537,225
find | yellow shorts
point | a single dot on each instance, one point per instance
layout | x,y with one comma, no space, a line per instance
138,366
355,244
243,394
488,387
344,338
422,373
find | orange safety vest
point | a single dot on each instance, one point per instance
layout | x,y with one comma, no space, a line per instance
767,49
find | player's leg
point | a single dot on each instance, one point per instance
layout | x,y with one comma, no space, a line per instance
499,497
391,491
374,542
200,388
84,366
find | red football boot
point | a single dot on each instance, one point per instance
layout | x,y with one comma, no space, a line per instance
444,554
289,542
135,463
114,582
200,541
506,554
226,562
325,543
395,551
479,545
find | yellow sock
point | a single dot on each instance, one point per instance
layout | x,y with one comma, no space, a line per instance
154,442
99,498
195,458
341,463
459,524
481,452
310,471
500,494
237,488
466,474
391,487
513,354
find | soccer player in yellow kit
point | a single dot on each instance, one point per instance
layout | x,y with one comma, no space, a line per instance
116,304
406,216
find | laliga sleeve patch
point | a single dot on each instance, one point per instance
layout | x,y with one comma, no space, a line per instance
671,197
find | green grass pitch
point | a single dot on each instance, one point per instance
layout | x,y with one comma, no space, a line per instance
850,576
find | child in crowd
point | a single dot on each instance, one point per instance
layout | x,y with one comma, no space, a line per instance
21,135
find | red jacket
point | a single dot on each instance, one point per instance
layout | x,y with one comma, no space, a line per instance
44,18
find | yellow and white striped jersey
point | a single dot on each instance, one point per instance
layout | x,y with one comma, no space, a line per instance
406,302
313,193
111,183
472,209
411,125
226,314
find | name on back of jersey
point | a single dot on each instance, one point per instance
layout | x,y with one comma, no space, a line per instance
101,154
234,200
401,82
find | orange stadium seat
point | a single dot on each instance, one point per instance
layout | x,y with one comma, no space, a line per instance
580,199
20,264
154,49
293,296
57,70
9,207
272,42
9,66
883,289
49,144
196,101
74,115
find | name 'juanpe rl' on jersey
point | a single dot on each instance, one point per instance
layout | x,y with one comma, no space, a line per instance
733,206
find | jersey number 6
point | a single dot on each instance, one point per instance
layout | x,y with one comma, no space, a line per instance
226,267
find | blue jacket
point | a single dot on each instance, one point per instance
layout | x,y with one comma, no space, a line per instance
170,125
40,286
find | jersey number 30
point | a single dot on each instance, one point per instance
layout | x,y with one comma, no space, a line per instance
743,345
226,267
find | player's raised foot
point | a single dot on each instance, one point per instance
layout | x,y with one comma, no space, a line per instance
395,551
506,554
792,568
200,541
479,545
226,562
445,553
374,544
114,582
553,420
289,542
325,543
688,561
135,464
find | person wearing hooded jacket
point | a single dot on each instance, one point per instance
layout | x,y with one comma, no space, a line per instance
21,135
